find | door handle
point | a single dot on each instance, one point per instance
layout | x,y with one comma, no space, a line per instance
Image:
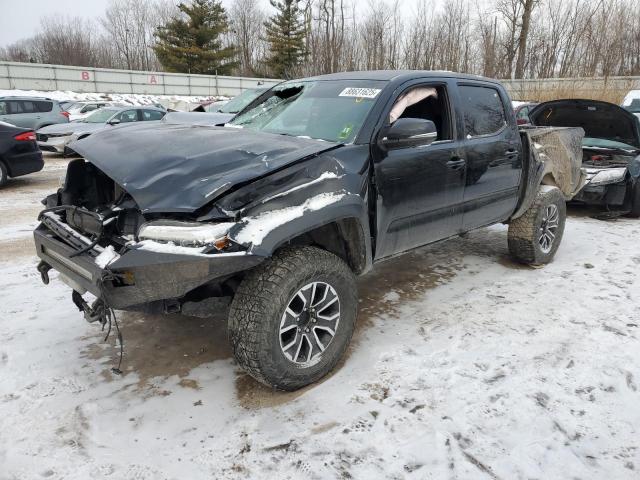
511,152
456,163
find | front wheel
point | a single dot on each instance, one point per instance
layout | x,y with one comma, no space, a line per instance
535,236
292,317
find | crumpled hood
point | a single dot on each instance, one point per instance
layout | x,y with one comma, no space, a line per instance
180,168
598,119
72,127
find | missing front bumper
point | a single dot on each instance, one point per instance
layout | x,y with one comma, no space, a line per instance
138,276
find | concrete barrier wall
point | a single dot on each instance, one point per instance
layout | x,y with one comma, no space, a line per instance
34,76
612,89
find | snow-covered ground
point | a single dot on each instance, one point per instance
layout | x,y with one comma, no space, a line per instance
464,365
178,102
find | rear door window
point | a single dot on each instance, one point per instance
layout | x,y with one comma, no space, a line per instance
28,106
152,115
484,112
43,106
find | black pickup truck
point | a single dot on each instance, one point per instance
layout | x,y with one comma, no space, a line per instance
311,184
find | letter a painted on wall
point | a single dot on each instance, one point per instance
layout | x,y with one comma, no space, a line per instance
152,80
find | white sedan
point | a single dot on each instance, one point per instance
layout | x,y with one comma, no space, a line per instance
79,110
56,138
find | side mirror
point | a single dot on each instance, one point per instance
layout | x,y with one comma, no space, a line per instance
410,132
114,121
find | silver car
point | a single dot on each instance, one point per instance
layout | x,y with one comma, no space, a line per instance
56,138
31,112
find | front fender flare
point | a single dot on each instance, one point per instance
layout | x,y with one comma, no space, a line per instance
265,232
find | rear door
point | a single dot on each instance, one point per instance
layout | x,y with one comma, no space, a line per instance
493,152
420,189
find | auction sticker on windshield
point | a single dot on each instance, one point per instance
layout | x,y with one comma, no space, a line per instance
360,92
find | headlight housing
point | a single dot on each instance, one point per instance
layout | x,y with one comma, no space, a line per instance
606,176
186,234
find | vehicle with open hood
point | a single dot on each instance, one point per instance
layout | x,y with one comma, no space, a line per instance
276,212
611,150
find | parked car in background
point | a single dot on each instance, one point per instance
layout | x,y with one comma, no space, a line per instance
56,138
611,150
631,102
237,104
31,112
634,107
19,152
521,111
233,106
278,211
80,110
208,104
64,104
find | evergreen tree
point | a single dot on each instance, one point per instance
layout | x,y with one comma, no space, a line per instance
285,33
191,43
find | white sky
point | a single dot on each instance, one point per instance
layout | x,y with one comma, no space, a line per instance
20,19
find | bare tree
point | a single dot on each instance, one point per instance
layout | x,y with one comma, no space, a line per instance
247,32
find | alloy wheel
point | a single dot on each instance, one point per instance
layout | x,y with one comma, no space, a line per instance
309,323
548,228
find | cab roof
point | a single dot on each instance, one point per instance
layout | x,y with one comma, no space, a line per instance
401,75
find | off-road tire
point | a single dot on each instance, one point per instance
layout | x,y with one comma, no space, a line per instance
4,175
260,302
634,212
524,231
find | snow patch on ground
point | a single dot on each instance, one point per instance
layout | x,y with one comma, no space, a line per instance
463,365
496,372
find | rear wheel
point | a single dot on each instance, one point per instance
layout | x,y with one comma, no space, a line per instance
535,236
4,175
292,317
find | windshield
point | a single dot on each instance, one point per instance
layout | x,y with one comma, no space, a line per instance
100,116
604,143
75,106
238,103
331,110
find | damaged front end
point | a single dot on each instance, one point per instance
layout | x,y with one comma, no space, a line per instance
610,149
93,233
611,176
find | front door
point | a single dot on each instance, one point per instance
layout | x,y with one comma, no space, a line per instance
420,189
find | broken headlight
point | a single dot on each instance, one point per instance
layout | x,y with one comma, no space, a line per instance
606,176
186,234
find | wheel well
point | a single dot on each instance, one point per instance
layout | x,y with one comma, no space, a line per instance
549,179
344,238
